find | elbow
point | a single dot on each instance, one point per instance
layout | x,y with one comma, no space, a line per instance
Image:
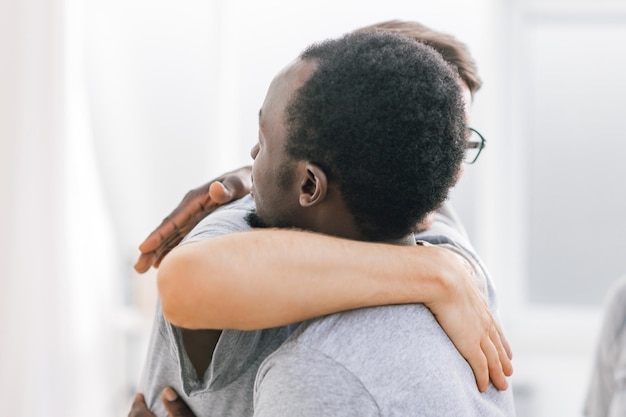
190,297
171,292
182,291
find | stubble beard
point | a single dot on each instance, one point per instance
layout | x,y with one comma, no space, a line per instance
255,221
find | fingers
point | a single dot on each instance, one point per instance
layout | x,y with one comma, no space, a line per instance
234,185
155,238
497,352
230,188
144,262
504,351
175,405
171,241
495,367
139,408
491,363
507,347
177,235
480,367
220,193
194,201
196,204
164,239
157,245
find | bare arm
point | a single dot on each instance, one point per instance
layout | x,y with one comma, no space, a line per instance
269,278
247,303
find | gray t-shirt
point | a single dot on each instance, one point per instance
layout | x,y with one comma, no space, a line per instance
226,388
381,361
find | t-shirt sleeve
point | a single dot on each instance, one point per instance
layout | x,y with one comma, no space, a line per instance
306,383
167,362
228,218
446,228
448,215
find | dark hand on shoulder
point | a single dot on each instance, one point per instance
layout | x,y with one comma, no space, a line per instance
196,205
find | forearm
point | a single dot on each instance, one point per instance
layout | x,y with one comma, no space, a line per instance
269,278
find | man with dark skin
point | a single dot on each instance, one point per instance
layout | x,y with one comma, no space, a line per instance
344,227
203,200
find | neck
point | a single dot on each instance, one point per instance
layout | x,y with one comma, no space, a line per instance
408,240
332,217
331,221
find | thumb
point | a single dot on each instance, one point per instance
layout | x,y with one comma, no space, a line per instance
220,193
175,405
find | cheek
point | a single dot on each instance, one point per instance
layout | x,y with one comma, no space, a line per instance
258,169
260,180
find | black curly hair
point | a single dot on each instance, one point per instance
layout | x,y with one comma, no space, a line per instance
383,116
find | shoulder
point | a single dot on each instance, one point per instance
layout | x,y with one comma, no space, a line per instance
396,357
383,346
228,218
299,380
361,336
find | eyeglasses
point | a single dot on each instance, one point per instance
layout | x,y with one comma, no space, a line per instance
475,144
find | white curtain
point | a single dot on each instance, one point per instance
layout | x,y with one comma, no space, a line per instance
106,114
57,291
32,358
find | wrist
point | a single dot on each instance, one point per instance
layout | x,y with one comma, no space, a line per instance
433,274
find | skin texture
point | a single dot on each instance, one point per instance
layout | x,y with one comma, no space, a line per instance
273,203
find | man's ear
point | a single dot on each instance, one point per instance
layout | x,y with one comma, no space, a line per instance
314,185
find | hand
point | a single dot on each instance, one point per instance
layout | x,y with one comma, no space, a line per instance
196,205
139,407
174,405
465,317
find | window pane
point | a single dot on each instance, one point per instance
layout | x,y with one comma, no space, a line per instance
577,161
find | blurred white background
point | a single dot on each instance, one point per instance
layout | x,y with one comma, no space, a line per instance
111,110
